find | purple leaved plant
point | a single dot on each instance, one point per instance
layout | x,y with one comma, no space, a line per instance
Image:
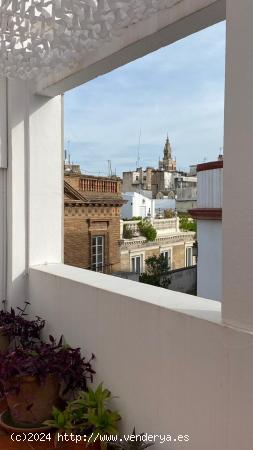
64,362
20,330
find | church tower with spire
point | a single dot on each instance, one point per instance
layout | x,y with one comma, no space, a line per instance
167,163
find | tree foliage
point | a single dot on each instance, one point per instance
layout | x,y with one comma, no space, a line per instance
157,272
127,232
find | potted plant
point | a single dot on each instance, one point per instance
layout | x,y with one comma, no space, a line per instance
32,378
16,329
89,417
133,442
4,341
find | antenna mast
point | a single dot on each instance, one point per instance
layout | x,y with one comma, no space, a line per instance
138,152
109,168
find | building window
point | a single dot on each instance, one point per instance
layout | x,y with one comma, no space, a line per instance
167,255
136,264
188,258
97,253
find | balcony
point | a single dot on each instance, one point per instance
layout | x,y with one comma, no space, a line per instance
166,226
127,324
162,226
175,344
99,185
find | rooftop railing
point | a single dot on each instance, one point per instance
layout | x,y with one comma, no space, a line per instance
99,185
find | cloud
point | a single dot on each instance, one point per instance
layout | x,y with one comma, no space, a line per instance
178,89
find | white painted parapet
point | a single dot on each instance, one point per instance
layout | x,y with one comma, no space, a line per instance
175,368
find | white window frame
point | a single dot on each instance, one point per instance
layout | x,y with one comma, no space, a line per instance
186,256
167,250
134,257
97,266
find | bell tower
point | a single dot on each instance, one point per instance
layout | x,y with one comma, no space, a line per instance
167,162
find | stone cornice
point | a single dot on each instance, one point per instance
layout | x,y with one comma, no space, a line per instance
142,242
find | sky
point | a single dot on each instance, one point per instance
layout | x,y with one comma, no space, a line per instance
178,90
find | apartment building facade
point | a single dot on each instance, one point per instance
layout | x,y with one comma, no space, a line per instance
92,222
176,246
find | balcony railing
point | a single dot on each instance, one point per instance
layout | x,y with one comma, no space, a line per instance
132,225
166,224
99,185
163,226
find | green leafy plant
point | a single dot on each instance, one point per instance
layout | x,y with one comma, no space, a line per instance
169,214
134,442
104,424
127,232
61,421
147,230
187,224
89,413
136,218
96,414
157,271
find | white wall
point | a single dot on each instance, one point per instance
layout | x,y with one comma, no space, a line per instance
238,162
34,185
209,278
174,366
3,199
3,124
137,205
210,188
2,234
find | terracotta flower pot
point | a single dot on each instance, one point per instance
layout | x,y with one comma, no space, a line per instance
33,403
4,341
